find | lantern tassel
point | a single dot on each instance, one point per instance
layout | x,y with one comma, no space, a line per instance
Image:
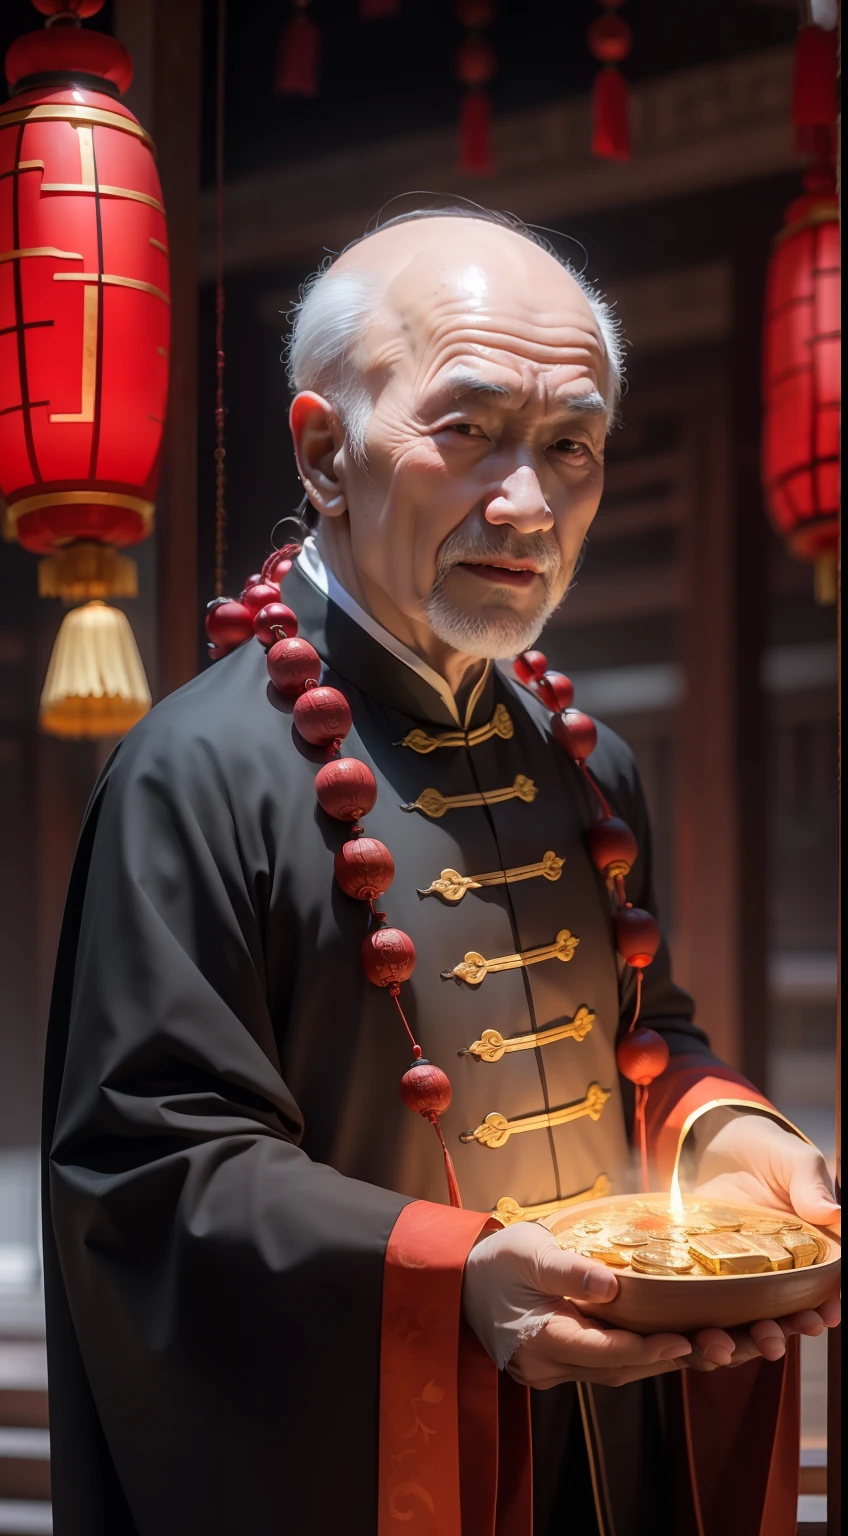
475,134
610,115
297,58
95,684
814,91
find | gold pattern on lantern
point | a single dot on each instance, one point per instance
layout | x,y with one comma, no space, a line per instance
475,968
434,804
509,1210
496,1129
492,1046
499,725
452,886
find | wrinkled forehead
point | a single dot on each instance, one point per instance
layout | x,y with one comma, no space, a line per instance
460,290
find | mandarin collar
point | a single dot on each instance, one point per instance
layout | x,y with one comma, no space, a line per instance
361,651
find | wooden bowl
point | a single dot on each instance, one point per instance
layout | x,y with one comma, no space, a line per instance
684,1303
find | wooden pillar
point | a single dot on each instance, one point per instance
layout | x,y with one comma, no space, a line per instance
165,41
177,48
722,875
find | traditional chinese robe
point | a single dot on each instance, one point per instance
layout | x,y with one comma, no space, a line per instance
253,1280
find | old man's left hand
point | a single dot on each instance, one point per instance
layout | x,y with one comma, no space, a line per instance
754,1161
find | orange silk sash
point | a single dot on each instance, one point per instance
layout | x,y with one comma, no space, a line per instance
444,1469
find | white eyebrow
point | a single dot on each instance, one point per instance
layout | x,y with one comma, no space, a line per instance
464,382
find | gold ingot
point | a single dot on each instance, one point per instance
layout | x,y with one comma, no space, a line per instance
725,1253
452,886
496,1129
509,1210
499,725
475,968
778,1256
802,1246
492,1046
434,804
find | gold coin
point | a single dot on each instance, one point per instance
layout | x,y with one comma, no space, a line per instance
589,1226
627,1237
760,1228
723,1218
698,1228
662,1260
606,1254
790,1224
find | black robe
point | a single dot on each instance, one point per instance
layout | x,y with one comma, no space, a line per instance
226,1151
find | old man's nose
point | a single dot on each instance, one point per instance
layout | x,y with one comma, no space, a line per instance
521,502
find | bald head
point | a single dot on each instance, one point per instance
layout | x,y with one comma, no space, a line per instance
377,307
455,383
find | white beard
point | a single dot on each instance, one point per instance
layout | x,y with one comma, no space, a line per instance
494,638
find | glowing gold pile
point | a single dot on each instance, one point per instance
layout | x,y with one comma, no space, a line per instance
689,1238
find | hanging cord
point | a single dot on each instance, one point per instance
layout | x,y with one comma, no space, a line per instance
220,450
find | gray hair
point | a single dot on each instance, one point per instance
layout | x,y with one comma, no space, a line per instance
334,308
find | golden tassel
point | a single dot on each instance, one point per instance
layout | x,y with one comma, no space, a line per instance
95,684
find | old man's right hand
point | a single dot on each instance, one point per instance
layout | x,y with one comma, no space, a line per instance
522,1296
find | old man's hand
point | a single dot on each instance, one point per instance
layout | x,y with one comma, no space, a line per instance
754,1161
522,1297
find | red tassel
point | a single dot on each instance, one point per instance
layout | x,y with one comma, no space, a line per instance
610,115
377,10
297,60
641,1128
814,91
454,1196
475,134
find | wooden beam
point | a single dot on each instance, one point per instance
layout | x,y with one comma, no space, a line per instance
716,125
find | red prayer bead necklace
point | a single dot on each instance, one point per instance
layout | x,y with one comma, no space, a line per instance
364,868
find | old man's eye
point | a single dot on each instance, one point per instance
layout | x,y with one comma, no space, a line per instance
574,452
466,428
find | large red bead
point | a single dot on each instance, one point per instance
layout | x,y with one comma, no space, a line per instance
556,691
612,847
637,936
228,623
274,617
530,666
642,1056
322,715
259,595
346,788
364,868
291,663
426,1089
387,956
577,733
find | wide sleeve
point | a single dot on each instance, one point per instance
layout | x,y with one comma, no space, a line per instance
222,1292
695,1081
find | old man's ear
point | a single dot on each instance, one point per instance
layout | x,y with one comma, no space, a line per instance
318,436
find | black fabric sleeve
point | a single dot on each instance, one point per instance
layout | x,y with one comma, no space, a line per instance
220,1292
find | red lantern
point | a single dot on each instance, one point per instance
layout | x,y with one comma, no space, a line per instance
84,311
84,298
801,379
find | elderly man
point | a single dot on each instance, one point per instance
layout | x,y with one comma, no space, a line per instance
263,1316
